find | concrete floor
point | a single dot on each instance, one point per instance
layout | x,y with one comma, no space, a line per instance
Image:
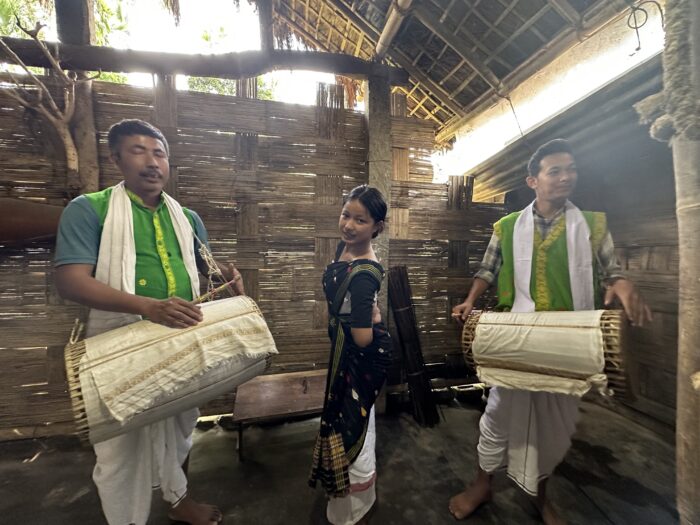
617,472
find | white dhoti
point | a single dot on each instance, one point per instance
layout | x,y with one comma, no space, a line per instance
530,432
527,432
130,466
363,473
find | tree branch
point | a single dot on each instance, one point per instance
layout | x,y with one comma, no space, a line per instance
31,75
45,50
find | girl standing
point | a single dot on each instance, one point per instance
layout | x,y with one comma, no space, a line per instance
344,458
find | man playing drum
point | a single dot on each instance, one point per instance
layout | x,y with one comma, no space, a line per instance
549,256
128,252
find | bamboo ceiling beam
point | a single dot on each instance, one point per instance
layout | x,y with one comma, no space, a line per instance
432,22
509,8
247,64
401,59
397,12
475,42
302,27
567,12
594,20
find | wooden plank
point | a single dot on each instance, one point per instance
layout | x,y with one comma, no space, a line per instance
279,396
247,64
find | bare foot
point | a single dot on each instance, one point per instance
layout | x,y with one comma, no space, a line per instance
550,516
476,494
189,511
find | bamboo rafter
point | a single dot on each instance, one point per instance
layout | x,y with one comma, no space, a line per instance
460,54
329,29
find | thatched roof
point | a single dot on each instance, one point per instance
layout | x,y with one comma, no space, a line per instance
460,54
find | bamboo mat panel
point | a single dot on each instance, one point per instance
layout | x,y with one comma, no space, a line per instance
268,180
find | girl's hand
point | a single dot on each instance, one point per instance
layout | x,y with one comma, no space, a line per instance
376,314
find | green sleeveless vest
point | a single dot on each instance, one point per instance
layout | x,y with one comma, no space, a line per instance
550,287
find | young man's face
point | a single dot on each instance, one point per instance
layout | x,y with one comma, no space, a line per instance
144,163
556,180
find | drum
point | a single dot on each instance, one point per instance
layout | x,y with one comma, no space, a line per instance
143,372
562,352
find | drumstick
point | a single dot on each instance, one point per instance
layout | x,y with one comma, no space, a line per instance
211,293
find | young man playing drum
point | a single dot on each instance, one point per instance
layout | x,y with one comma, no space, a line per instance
128,252
530,432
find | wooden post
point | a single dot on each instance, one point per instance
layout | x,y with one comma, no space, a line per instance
379,160
75,21
265,19
380,170
76,25
459,192
165,119
682,94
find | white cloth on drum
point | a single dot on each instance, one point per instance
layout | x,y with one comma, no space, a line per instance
569,345
116,260
140,366
363,471
530,432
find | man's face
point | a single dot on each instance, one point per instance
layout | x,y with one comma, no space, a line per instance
557,177
144,163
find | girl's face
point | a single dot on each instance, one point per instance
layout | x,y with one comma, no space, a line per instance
356,225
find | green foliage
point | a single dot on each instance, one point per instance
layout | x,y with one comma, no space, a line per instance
116,78
225,86
28,12
109,19
266,90
221,86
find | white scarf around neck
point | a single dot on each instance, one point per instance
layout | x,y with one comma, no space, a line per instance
580,258
116,262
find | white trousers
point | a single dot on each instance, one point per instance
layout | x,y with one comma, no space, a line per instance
363,472
130,466
529,432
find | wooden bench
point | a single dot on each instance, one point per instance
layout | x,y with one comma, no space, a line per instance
275,397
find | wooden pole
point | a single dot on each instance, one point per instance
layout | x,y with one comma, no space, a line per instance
379,159
76,25
246,64
265,19
75,21
682,94
165,119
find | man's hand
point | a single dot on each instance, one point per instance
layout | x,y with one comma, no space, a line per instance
636,309
462,310
173,312
232,273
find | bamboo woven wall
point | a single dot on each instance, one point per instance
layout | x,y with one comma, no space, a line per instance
268,180
440,243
